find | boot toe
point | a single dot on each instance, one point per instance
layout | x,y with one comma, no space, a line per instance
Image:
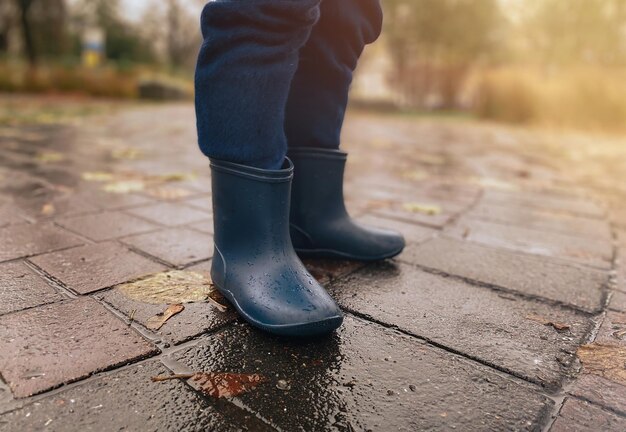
292,305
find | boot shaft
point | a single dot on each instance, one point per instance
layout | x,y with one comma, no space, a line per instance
317,190
248,201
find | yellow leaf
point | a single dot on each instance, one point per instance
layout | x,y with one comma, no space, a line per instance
429,209
47,209
49,157
492,183
128,153
174,177
125,186
415,175
97,176
170,287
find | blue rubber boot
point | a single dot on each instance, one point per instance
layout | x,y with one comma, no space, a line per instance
254,265
320,224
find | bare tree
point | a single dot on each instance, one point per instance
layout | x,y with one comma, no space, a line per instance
24,7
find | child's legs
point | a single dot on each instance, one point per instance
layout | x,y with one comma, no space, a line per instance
319,90
244,70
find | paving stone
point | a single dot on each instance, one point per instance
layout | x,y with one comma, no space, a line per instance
204,266
53,204
17,241
327,270
612,331
195,319
600,391
580,416
21,288
397,211
107,226
367,377
47,346
9,214
544,201
169,214
497,328
93,267
578,286
543,221
205,226
6,400
618,216
203,203
177,246
411,232
618,301
128,400
115,201
598,253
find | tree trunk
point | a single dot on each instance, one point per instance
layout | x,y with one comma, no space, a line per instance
27,34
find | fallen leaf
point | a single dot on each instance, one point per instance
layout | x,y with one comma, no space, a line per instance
219,385
168,193
126,182
127,153
170,287
429,209
97,176
125,186
48,157
415,175
492,183
175,177
607,361
557,325
157,321
217,300
430,159
619,334
47,209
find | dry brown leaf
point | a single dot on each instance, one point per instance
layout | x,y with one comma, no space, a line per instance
217,300
170,287
218,385
607,361
157,321
556,325
47,209
429,209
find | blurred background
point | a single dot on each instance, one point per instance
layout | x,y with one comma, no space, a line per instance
557,63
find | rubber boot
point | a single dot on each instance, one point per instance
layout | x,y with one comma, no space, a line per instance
254,265
320,224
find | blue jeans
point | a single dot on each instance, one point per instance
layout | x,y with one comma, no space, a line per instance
273,73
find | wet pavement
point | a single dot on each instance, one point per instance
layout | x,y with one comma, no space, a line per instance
507,310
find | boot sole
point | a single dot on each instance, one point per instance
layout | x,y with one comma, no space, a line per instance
335,254
300,330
